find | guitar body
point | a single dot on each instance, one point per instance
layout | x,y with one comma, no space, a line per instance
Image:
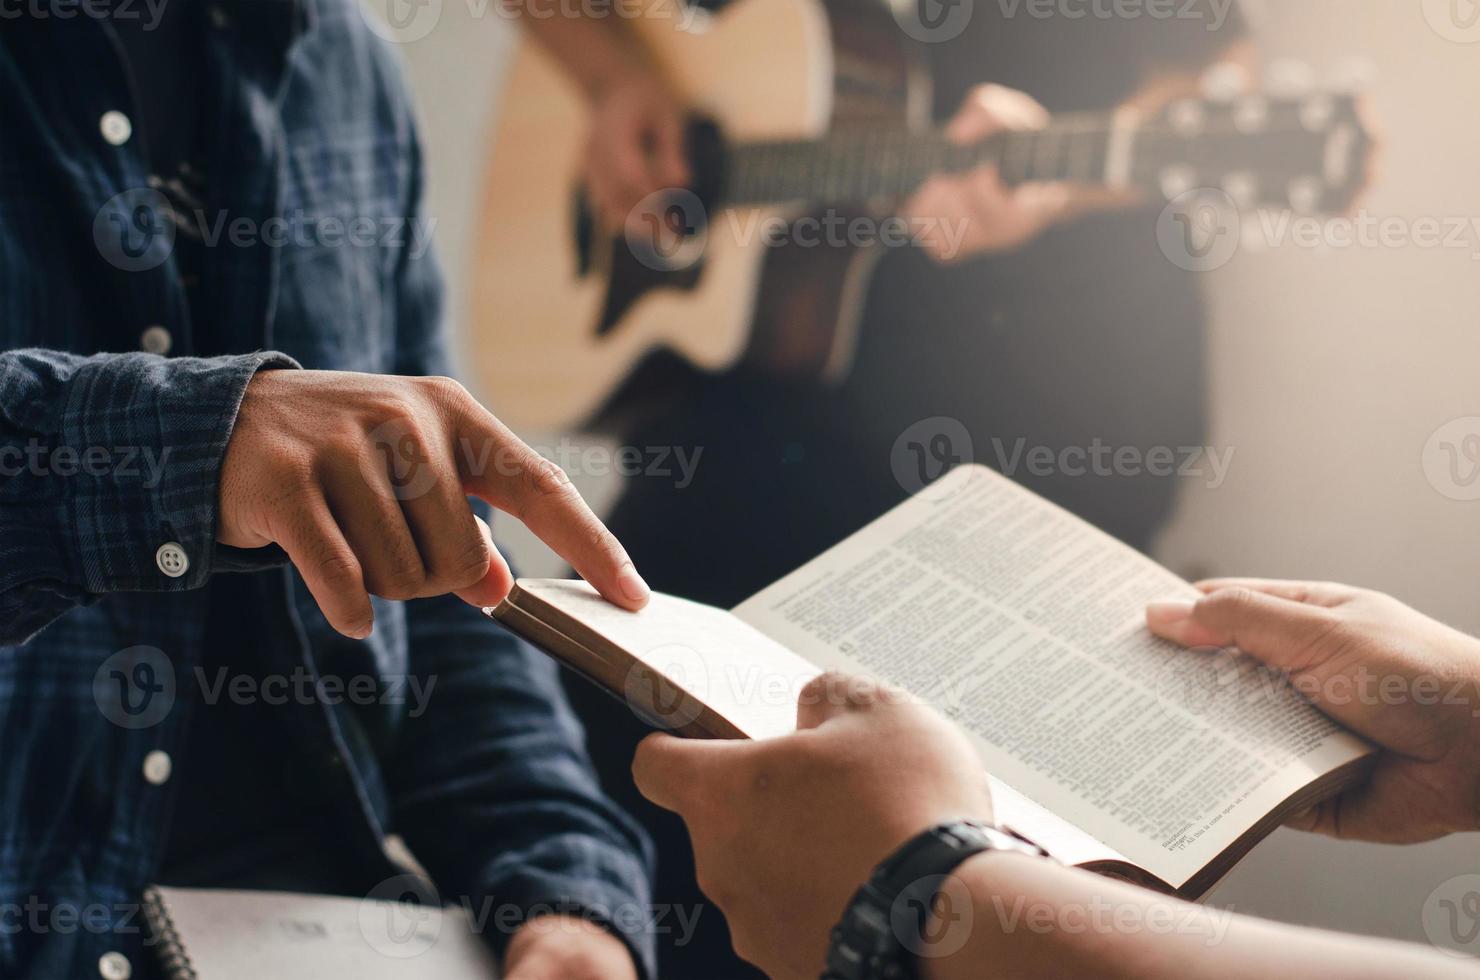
561,316
803,101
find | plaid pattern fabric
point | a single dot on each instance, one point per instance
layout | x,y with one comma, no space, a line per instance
108,453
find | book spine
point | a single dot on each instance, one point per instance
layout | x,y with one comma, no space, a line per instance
170,951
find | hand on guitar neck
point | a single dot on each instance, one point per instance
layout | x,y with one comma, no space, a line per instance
1000,218
977,213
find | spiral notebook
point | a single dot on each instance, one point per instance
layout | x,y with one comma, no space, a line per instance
212,934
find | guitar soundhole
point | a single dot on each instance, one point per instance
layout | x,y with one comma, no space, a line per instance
663,248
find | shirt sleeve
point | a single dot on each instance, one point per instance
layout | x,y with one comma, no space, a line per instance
104,461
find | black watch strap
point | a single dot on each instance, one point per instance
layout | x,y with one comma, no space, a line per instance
882,933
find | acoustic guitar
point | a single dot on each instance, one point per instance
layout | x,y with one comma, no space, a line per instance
800,109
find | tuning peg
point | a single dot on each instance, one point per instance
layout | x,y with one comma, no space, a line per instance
1289,78
1225,82
1305,194
1317,112
1176,181
1243,188
1251,113
1187,117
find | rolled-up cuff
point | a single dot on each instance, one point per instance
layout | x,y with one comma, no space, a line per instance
150,435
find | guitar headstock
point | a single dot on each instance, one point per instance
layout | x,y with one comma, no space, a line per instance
1308,152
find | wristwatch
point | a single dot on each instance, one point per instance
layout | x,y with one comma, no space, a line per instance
884,931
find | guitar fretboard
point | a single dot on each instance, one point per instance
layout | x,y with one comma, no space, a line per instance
863,165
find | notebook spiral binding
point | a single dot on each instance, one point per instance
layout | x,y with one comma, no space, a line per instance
169,950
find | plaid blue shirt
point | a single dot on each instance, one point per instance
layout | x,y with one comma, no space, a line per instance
110,453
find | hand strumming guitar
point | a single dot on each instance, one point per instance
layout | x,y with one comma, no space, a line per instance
998,218
635,146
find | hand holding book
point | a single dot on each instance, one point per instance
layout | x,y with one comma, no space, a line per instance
1114,750
785,829
1403,681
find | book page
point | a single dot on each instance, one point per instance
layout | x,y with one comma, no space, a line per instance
728,665
716,658
1026,625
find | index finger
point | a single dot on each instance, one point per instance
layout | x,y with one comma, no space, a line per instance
501,469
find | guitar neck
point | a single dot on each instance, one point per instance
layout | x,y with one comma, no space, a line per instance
863,165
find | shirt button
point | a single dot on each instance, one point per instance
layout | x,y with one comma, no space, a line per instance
157,767
116,127
114,966
156,340
171,559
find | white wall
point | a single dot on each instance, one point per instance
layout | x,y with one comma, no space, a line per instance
1331,370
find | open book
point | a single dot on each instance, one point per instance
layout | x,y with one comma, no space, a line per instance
1112,749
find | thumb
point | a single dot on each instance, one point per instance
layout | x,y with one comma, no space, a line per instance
833,695
675,772
1277,631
